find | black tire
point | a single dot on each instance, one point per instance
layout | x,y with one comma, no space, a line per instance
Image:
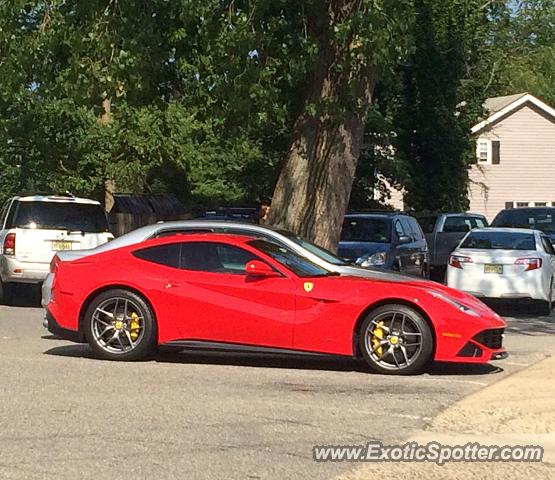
6,293
415,326
546,307
145,343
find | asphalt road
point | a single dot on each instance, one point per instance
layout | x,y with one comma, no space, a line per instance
67,415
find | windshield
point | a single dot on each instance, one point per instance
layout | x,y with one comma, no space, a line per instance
539,219
80,217
375,230
287,257
316,250
427,223
500,240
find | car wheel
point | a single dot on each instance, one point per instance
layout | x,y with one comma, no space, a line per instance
119,325
396,340
6,293
547,306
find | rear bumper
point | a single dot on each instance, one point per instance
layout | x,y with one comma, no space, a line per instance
54,327
13,270
46,290
497,286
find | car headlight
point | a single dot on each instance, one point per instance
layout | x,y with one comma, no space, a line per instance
376,259
459,306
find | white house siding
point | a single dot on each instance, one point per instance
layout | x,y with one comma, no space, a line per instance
526,172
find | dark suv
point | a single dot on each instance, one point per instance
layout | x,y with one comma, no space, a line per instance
386,240
537,218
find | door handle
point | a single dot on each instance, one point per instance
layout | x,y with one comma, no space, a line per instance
172,284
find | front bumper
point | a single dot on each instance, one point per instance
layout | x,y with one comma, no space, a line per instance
483,347
54,327
13,270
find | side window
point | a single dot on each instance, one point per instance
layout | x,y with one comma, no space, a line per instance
456,225
478,222
11,214
548,247
167,255
4,214
399,230
214,257
415,228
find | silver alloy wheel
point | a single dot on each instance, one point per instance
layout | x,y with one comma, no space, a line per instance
117,325
393,340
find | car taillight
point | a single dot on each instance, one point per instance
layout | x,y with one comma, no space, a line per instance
9,244
531,263
458,260
54,264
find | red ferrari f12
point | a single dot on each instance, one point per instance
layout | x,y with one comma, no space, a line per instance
235,292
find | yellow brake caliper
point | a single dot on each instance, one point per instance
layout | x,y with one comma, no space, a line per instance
377,337
134,326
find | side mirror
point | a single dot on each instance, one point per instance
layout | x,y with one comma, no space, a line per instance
404,239
256,268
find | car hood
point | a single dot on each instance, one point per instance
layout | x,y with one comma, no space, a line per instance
354,250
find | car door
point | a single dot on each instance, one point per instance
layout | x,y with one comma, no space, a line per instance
217,301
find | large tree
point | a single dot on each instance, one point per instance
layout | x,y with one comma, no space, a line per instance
355,39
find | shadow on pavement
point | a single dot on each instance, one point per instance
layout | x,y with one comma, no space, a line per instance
294,362
26,296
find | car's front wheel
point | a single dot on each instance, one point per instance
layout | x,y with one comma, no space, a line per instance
120,325
396,339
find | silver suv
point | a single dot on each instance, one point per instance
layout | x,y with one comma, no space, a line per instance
34,228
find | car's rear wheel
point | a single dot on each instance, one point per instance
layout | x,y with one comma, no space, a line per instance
396,340
547,306
120,325
6,293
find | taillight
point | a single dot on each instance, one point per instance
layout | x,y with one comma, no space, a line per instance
531,263
458,260
9,244
54,264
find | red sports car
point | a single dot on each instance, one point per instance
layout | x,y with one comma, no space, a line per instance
236,292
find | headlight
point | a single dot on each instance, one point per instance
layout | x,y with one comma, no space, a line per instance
459,306
376,259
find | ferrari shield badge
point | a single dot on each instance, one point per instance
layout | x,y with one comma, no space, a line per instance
308,286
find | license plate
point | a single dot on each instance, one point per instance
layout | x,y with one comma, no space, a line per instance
61,245
493,268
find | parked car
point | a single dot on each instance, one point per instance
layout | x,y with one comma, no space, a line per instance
505,263
34,228
385,240
303,247
539,218
443,233
232,292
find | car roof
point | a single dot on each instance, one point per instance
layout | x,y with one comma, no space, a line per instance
505,230
194,237
449,214
57,199
374,215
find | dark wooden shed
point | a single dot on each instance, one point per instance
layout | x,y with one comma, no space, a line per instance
133,211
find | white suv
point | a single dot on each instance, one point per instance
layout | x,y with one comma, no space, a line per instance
34,228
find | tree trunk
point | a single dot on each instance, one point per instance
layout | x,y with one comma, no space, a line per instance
313,189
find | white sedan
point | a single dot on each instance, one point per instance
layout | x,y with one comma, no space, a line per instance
504,263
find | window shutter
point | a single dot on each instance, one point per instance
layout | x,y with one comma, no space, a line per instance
495,151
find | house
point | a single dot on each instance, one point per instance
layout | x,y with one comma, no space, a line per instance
515,150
